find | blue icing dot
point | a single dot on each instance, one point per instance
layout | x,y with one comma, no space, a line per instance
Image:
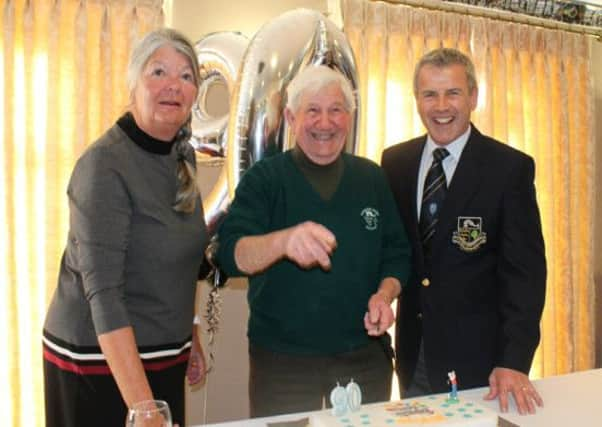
445,405
390,421
364,416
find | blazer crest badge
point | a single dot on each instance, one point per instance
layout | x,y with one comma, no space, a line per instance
469,235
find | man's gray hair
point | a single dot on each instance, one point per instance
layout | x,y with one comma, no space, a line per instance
314,78
445,57
146,46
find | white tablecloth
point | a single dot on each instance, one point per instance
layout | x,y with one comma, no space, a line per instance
573,400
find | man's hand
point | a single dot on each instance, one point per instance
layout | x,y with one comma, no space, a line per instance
379,316
309,244
503,381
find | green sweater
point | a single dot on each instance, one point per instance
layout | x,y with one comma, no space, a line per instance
299,311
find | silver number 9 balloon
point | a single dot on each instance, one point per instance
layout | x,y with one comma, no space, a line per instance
219,55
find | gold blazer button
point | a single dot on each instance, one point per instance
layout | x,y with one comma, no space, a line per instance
426,282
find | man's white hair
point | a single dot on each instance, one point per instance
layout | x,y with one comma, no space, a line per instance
314,78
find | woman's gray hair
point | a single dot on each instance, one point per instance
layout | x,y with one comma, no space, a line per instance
445,57
187,192
147,45
314,78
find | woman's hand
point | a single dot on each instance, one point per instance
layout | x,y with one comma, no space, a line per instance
197,365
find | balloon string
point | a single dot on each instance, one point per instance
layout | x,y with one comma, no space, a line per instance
205,399
213,316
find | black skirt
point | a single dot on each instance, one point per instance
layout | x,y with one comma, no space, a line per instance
86,395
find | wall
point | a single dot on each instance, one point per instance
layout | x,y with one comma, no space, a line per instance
224,396
196,18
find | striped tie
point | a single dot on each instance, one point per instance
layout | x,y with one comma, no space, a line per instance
435,188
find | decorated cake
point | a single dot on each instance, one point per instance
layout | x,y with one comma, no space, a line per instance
438,410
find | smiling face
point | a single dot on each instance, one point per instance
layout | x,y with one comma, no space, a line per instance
164,93
444,101
321,124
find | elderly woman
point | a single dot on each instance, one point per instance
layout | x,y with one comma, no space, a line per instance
318,234
118,330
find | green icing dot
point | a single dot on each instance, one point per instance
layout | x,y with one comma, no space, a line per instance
478,411
461,409
364,416
445,405
470,404
467,416
390,421
449,414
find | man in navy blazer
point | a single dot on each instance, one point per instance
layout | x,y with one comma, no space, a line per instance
474,300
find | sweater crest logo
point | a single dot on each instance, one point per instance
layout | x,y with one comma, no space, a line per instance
370,217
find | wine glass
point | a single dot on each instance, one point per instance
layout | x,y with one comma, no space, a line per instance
149,413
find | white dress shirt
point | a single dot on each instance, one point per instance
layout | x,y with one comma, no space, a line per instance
454,148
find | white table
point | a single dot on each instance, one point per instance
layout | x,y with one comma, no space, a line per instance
573,400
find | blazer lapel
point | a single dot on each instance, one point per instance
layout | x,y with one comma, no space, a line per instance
408,181
411,181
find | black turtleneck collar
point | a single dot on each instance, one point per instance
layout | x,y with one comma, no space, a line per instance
141,138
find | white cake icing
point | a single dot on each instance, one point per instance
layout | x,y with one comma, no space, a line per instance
429,410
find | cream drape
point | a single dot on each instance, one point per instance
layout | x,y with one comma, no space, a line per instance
535,93
62,82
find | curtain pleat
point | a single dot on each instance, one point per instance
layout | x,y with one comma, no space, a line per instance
62,83
535,94
9,297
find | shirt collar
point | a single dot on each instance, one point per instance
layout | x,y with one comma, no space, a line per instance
455,147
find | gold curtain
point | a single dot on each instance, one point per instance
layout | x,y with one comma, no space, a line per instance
62,82
535,93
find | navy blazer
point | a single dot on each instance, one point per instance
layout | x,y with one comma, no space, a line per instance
477,303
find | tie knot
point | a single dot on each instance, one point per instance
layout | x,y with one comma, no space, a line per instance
440,153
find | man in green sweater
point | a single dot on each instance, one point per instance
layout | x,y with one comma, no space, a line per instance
319,236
